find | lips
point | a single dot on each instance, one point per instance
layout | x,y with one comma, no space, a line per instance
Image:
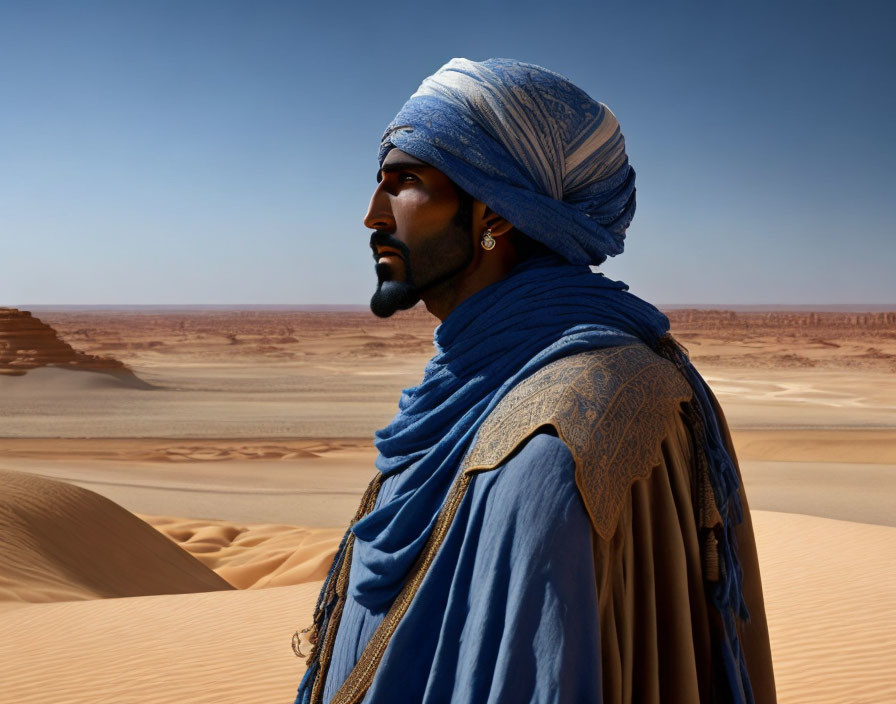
382,252
384,246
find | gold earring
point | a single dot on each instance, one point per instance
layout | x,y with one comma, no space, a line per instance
487,241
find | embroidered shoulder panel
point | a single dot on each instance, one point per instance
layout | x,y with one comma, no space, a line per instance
609,406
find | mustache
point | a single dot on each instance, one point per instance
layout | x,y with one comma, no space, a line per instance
385,239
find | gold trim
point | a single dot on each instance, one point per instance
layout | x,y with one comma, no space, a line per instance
357,683
333,626
610,407
339,587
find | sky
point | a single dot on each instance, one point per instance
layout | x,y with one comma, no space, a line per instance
220,152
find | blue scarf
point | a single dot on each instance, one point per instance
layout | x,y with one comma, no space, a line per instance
530,144
545,310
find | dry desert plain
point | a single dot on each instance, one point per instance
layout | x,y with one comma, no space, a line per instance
166,521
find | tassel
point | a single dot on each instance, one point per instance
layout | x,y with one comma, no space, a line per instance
327,600
720,511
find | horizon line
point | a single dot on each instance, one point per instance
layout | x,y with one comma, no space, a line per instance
360,307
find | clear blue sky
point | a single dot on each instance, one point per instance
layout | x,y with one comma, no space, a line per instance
156,151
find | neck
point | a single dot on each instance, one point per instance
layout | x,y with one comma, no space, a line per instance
486,269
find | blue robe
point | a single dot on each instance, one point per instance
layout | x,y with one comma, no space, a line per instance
508,611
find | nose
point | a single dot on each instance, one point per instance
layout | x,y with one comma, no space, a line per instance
379,213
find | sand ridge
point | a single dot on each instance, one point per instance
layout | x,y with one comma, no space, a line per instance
63,543
254,556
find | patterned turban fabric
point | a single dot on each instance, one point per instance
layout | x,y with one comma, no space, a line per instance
530,145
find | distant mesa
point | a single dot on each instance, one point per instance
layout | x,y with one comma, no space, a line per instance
27,343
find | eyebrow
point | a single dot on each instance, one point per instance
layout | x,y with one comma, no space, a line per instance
400,166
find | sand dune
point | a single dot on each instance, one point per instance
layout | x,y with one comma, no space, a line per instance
829,588
70,546
830,594
213,648
254,556
65,543
61,543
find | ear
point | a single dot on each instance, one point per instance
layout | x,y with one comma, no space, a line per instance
490,220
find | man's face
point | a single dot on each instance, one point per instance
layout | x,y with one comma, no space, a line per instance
422,237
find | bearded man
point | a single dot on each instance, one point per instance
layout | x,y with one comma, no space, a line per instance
557,514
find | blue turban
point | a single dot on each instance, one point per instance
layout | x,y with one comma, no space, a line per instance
529,144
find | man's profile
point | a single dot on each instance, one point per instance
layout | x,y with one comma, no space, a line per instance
557,514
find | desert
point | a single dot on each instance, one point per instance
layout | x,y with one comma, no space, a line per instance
176,481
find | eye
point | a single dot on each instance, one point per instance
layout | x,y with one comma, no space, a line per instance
406,177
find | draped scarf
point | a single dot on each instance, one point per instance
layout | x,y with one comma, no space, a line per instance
545,310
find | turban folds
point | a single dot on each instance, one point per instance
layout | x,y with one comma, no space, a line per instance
529,144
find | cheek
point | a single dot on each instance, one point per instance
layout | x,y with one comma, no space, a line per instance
419,209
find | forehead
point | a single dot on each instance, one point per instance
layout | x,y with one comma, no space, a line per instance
396,156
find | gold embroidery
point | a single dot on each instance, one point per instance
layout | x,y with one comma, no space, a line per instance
609,406
338,588
358,681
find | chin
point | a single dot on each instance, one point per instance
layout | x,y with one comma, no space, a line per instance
392,296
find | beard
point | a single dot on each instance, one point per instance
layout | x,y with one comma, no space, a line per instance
434,262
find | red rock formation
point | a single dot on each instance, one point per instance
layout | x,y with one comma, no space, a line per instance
26,343
884,321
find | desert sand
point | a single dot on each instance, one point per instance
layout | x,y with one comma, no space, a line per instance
167,525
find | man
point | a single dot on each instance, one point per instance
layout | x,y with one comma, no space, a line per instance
557,515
